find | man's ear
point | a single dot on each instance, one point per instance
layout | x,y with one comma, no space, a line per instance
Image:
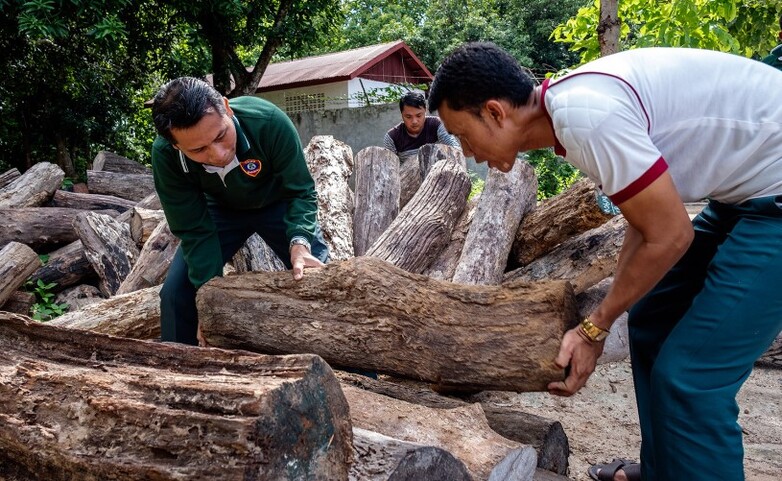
495,111
227,107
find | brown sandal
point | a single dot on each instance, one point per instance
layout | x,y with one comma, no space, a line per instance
606,472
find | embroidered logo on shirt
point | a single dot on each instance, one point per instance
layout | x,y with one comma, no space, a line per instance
251,167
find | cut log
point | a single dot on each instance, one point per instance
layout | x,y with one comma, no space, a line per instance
773,356
143,222
17,262
381,458
128,186
556,220
256,255
78,405
33,188
108,247
505,199
584,260
79,296
40,227
430,154
462,431
444,264
365,313
73,200
409,180
424,226
19,302
617,344
107,161
135,315
331,164
153,261
546,436
9,176
377,196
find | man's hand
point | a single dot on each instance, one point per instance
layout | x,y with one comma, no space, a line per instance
581,355
301,258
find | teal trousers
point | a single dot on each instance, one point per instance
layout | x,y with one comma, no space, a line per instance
695,337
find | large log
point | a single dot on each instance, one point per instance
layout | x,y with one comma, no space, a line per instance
87,407
430,154
40,227
9,176
505,199
584,260
556,220
17,262
409,179
424,226
377,196
110,162
617,344
444,265
127,186
256,255
108,247
19,302
331,164
365,313
143,222
74,200
153,261
33,188
135,315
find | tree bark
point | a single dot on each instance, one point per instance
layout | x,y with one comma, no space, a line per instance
17,262
108,247
556,220
331,164
33,188
608,29
19,302
73,200
256,255
364,313
377,196
153,261
430,154
617,344
423,228
107,161
83,406
505,199
9,176
143,222
444,264
40,227
409,180
127,186
583,260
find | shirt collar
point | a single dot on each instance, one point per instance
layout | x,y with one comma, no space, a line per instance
242,144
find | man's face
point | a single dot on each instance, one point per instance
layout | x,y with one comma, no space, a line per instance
212,141
480,137
413,118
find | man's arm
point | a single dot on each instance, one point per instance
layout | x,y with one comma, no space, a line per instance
444,137
388,143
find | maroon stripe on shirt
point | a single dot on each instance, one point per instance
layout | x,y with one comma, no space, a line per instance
639,184
559,149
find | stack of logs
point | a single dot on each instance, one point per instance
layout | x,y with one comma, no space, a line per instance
423,284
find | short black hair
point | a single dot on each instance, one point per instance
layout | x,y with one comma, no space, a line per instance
182,103
413,99
476,72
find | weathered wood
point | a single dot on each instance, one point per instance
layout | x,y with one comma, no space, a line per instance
124,185
505,199
382,458
79,296
108,247
33,188
17,262
151,267
73,200
545,435
143,222
409,180
9,176
78,405
444,265
40,227
556,220
617,344
462,431
377,196
135,315
773,356
110,162
584,260
430,154
256,255
19,302
424,226
365,313
331,164
519,466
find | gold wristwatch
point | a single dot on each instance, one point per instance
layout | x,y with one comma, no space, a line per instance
593,332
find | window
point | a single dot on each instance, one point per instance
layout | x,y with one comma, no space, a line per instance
304,102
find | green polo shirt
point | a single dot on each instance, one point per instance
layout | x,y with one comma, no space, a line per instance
774,58
263,134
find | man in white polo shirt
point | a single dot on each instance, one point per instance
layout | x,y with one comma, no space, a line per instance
656,128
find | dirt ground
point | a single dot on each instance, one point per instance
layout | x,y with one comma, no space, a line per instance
601,423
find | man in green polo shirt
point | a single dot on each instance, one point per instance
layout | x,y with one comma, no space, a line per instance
775,57
223,170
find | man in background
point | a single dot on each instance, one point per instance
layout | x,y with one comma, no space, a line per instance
416,129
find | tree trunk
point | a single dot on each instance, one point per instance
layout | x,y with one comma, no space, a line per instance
153,262
108,247
377,196
444,264
430,154
556,220
107,161
424,226
83,406
64,159
409,180
39,227
33,188
17,262
364,313
331,164
583,260
9,176
143,222
256,255
19,302
617,344
506,198
73,200
127,186
608,29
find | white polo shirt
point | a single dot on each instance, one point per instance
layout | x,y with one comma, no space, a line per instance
713,120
